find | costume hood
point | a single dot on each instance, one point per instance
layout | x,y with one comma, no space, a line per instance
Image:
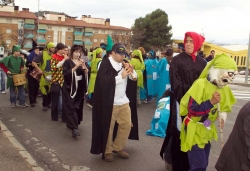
197,40
221,61
138,53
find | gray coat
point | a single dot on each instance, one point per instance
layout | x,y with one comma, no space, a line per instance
235,155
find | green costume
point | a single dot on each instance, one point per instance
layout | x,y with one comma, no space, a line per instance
46,71
201,91
94,70
139,67
13,64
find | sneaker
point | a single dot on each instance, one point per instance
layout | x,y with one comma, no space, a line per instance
122,154
108,157
23,105
3,92
89,105
13,105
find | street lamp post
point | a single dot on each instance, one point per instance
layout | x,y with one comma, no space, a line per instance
247,65
37,22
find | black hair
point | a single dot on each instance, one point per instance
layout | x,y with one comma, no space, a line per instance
73,49
212,51
85,51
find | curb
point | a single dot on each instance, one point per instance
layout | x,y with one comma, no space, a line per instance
23,152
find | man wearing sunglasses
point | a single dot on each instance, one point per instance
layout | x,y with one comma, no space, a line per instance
114,106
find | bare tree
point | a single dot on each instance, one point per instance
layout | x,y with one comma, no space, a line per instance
2,34
21,36
7,2
123,38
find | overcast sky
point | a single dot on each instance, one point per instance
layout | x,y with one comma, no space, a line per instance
222,21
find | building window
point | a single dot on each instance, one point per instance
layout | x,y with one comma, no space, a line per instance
8,41
102,40
49,27
8,31
69,29
78,29
69,37
48,37
95,40
103,31
95,31
8,21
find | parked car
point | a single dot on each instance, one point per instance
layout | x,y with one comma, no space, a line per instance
244,72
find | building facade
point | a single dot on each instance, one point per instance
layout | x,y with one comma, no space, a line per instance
21,26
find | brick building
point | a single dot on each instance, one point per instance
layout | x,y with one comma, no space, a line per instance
21,26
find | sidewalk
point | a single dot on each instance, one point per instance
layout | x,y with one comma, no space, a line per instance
13,156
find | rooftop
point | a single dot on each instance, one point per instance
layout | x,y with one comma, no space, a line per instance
18,14
236,47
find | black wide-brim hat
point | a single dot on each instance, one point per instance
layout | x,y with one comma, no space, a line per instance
36,47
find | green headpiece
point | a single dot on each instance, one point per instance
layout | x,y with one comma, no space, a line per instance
50,45
222,61
110,43
16,48
138,53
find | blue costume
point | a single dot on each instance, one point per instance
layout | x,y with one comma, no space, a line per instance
159,121
163,78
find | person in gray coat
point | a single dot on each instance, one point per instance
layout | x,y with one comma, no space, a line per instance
235,155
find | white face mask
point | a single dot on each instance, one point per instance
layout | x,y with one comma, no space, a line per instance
222,77
76,54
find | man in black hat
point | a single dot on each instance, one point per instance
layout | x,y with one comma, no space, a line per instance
181,47
114,102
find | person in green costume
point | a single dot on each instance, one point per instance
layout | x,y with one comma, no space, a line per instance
139,66
12,65
207,99
43,64
97,57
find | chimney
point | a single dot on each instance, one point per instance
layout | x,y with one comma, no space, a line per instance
16,9
107,22
84,16
27,9
89,16
59,19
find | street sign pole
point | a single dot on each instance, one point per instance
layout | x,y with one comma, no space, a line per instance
247,65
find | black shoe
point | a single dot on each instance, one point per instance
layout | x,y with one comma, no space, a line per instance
75,133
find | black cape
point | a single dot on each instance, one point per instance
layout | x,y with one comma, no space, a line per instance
235,154
183,72
103,100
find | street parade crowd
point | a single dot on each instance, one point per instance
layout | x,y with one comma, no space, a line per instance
191,92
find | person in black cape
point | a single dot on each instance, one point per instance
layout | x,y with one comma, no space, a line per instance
236,152
104,112
185,68
74,89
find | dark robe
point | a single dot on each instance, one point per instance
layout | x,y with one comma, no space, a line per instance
103,101
183,72
73,107
235,154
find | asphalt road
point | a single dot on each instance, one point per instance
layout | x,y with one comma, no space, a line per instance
51,144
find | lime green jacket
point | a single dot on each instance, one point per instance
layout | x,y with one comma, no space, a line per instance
139,67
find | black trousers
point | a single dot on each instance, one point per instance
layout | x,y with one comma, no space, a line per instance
33,86
56,102
46,98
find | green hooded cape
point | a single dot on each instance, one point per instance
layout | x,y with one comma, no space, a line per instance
201,91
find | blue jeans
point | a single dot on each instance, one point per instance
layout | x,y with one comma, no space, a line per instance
59,107
21,95
2,80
